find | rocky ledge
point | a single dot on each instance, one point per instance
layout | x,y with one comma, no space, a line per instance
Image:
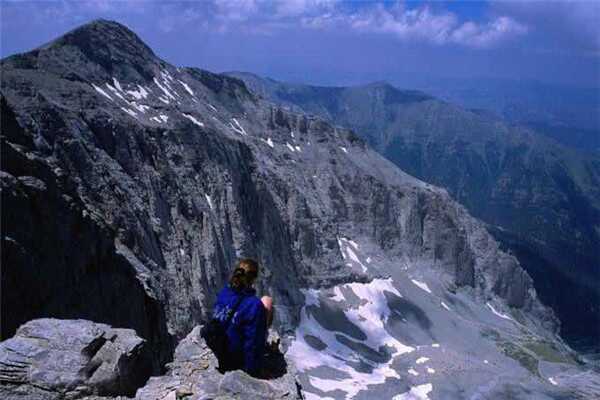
193,376
51,359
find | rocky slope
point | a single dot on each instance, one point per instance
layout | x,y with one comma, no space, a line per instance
130,187
540,199
51,359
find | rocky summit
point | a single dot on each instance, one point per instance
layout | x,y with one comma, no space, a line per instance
129,189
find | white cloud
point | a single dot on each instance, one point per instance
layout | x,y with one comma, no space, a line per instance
422,24
171,18
294,8
567,25
501,28
236,10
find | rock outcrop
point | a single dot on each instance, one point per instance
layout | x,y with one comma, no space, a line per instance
193,375
57,359
52,359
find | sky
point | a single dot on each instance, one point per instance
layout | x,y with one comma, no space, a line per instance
336,42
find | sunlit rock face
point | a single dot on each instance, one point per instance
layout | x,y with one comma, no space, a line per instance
408,337
51,359
134,186
540,199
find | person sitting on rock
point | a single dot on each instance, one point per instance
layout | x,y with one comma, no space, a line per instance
247,330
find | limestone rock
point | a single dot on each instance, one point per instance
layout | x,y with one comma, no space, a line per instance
193,375
56,359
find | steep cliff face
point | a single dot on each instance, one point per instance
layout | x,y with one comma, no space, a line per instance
130,188
60,258
538,197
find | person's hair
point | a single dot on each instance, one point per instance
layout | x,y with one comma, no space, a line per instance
244,274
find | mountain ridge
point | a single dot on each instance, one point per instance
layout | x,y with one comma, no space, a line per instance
153,186
540,198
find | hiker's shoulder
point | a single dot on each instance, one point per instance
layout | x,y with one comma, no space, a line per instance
252,301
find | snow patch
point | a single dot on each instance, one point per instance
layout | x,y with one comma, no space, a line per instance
354,258
445,306
419,392
209,201
140,107
344,149
102,92
413,372
289,146
498,313
268,141
211,106
130,112
328,385
164,89
166,76
116,92
422,360
422,285
164,117
312,396
337,294
369,317
552,381
430,371
139,94
346,247
194,120
117,84
186,87
240,129
435,345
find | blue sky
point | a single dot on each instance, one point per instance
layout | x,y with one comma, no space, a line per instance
336,42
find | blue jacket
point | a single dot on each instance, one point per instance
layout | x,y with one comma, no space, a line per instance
247,331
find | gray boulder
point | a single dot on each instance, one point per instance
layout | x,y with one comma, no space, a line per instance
193,375
57,359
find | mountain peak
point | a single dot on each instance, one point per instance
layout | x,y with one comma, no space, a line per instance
100,47
102,32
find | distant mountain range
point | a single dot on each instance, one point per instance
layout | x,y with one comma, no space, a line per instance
540,198
570,115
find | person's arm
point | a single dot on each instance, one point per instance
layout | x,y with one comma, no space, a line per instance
255,330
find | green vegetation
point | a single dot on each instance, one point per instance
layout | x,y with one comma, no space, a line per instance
490,333
520,355
548,352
